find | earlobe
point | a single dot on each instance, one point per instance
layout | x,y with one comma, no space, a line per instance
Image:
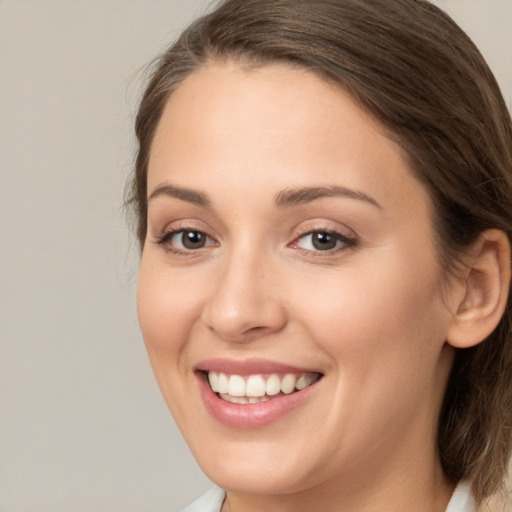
485,290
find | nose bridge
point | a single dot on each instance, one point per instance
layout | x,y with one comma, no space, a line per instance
244,303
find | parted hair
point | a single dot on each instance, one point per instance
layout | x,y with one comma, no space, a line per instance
410,66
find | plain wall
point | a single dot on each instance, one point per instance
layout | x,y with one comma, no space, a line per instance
82,423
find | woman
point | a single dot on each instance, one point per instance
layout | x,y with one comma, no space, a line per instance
324,201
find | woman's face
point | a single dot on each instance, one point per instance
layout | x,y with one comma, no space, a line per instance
290,247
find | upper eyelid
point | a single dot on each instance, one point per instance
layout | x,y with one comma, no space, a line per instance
319,227
184,225
169,233
163,218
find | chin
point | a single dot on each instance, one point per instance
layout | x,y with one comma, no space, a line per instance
255,480
254,469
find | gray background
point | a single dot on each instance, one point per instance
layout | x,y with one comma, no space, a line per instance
82,425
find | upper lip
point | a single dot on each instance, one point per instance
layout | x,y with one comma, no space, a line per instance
249,367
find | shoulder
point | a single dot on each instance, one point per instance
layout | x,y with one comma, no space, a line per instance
208,502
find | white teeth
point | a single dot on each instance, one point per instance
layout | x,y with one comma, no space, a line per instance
222,383
255,386
255,389
288,383
242,399
213,379
273,386
305,380
236,385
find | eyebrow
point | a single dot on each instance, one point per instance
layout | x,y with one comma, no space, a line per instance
285,198
292,197
185,194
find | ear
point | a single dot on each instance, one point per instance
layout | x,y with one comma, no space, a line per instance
484,290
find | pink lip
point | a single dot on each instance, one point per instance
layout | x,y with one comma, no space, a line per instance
248,367
247,416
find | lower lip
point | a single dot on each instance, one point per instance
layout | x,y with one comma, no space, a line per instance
246,416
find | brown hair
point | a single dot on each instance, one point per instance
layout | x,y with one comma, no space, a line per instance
416,71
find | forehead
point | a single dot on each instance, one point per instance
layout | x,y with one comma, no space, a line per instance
279,125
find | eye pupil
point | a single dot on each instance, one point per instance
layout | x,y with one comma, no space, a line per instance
193,239
323,241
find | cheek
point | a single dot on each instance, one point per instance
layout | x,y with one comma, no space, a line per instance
165,310
391,310
383,330
166,317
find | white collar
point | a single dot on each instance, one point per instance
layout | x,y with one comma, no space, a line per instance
462,500
209,502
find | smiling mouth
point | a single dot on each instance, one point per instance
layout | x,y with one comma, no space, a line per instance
253,389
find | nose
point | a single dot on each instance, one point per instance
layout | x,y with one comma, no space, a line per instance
245,302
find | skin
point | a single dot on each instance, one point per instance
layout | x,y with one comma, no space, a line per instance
371,316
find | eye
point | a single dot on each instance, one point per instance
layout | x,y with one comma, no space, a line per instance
323,241
185,240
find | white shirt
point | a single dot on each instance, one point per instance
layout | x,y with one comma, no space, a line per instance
209,502
461,501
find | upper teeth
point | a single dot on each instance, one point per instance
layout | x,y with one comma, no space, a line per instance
259,385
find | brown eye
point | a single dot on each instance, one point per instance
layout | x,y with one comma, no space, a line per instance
322,241
191,239
185,240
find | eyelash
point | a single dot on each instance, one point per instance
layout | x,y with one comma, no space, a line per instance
347,242
165,238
